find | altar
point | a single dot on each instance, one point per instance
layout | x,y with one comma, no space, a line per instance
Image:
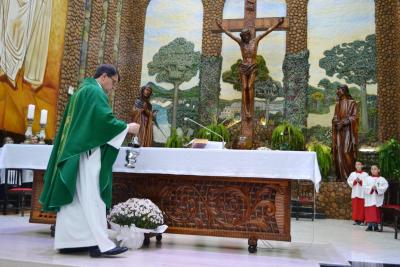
215,192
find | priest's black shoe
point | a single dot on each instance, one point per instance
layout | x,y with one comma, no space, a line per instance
95,252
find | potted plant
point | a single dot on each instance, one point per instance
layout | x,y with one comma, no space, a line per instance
389,160
217,128
132,219
287,137
174,140
324,156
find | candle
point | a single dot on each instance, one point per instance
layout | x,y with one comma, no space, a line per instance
31,111
43,116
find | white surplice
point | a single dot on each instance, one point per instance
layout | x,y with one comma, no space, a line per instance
83,222
357,189
374,198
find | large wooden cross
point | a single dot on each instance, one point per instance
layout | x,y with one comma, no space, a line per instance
254,24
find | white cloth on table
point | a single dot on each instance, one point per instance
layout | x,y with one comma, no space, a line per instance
296,165
83,222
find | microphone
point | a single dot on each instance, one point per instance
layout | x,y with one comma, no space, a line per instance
204,127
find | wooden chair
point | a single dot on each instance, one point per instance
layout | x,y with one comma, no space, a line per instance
390,211
13,186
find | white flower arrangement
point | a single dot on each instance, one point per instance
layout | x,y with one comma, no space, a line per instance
141,213
131,219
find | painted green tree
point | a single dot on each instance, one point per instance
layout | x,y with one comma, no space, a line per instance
354,62
175,63
265,87
330,89
317,99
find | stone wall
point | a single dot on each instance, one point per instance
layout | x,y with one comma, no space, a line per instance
110,31
72,46
296,66
387,17
104,31
334,199
133,19
296,36
129,51
94,42
211,62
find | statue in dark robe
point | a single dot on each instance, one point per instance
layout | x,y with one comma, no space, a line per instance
344,133
144,115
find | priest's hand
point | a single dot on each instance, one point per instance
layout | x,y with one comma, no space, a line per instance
133,128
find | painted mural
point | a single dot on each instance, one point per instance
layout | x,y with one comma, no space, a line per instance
334,29
31,49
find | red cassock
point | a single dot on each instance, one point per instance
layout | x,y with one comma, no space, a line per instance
372,214
357,205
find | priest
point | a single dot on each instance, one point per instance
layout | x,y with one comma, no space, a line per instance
78,179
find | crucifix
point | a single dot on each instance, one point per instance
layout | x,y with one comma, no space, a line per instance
248,43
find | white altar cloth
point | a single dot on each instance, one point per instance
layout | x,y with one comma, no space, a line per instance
297,165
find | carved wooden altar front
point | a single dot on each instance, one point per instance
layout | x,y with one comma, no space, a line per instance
253,208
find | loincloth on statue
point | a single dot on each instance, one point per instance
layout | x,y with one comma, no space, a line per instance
248,69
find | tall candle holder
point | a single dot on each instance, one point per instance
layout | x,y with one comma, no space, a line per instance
42,134
28,133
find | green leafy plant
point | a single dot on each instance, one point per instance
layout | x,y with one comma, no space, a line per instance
174,140
389,159
324,156
218,128
287,137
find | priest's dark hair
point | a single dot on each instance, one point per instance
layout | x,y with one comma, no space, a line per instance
108,69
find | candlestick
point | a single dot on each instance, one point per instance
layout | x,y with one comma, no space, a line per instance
28,133
42,134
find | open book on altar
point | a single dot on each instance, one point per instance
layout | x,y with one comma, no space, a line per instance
204,143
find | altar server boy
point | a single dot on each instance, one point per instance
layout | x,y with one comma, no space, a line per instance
374,190
355,181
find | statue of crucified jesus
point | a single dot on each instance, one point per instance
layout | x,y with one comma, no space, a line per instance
248,68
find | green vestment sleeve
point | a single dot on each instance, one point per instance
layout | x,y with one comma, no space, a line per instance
88,122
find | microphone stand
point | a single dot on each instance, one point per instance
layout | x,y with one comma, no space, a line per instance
204,127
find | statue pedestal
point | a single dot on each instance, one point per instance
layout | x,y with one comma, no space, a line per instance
242,142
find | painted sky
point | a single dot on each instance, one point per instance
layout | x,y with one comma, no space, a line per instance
165,21
330,22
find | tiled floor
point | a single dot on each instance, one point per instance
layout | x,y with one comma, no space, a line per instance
330,242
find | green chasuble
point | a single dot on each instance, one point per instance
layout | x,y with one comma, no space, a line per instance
88,123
